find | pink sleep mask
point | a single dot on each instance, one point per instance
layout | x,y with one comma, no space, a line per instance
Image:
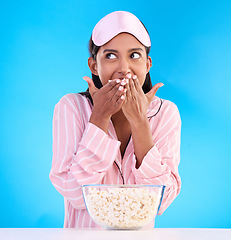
118,22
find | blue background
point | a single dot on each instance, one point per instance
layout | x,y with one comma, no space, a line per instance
43,56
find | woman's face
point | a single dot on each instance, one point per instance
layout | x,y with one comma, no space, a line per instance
122,55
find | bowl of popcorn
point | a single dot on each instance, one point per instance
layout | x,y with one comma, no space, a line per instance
123,206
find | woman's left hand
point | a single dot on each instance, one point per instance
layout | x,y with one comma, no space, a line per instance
136,102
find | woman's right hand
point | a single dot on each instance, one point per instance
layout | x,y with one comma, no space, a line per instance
107,101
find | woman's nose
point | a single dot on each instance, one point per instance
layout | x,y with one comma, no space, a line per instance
124,67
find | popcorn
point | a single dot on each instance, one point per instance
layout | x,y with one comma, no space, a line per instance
123,208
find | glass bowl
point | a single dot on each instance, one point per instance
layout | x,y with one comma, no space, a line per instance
123,206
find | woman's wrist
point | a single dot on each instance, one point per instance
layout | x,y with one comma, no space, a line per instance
100,121
139,122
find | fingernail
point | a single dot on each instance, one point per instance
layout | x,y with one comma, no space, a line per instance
134,77
122,97
109,80
123,83
120,88
129,75
118,80
125,90
162,85
127,80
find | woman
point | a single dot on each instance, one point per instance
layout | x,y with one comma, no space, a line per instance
118,132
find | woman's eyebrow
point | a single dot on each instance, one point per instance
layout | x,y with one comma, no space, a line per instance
130,50
136,49
110,50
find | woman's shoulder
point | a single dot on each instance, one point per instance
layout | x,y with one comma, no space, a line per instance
74,101
167,104
161,105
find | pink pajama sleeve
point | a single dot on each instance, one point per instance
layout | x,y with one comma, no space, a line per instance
79,155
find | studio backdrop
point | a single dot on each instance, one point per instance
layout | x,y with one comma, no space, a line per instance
43,56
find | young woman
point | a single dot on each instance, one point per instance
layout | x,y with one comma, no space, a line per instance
118,131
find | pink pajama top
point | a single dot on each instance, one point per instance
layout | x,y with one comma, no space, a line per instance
85,154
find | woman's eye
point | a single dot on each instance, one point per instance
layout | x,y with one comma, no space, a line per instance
110,56
135,55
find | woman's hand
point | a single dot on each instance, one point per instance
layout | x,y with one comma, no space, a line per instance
136,103
107,101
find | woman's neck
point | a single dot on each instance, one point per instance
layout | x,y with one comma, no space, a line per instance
122,129
119,119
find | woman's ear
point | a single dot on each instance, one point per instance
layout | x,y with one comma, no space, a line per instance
149,64
92,65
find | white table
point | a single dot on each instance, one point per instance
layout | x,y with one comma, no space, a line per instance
86,234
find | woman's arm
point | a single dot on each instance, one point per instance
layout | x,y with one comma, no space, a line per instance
160,164
135,110
142,139
156,149
82,152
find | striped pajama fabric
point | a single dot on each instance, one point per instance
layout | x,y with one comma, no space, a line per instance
84,154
